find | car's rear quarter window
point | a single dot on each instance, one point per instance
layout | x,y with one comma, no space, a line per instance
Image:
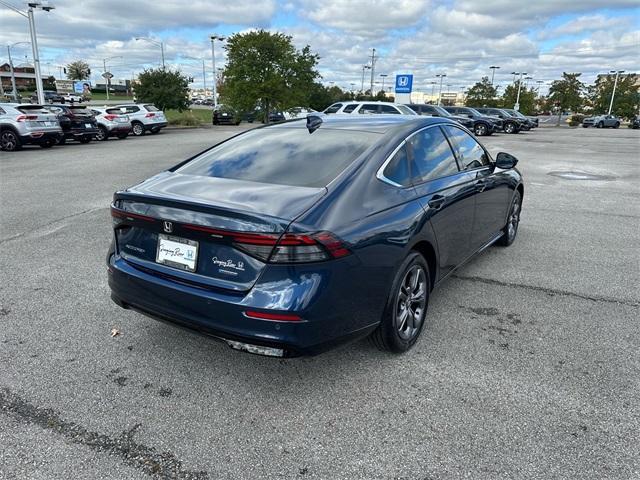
284,156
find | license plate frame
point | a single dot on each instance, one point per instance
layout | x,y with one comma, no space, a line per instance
164,256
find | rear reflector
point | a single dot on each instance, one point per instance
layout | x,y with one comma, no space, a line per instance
257,349
276,317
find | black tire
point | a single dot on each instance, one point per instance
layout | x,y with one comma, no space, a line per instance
510,230
102,134
155,131
510,127
600,124
137,129
122,136
9,141
480,129
617,125
47,144
584,126
85,139
406,309
62,140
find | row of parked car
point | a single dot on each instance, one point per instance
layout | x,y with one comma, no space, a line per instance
55,124
481,121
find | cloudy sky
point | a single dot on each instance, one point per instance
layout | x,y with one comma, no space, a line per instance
461,38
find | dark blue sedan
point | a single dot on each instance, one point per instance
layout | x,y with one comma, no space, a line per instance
292,238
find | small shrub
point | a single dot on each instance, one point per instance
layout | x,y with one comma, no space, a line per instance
576,120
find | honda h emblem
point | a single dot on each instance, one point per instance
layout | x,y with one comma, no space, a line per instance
403,81
167,226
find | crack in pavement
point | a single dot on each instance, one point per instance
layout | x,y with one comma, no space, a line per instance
147,459
44,225
549,291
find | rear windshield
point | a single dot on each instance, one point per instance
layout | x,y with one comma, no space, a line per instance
32,109
80,110
283,156
152,108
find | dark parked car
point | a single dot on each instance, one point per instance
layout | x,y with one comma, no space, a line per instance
510,123
635,122
482,124
224,115
532,122
77,122
50,96
291,238
436,111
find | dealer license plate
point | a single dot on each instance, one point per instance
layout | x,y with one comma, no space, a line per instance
177,252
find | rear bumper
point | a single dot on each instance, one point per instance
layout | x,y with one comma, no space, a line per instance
153,126
331,313
36,138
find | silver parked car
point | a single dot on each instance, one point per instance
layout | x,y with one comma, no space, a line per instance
111,124
601,121
22,124
373,107
145,117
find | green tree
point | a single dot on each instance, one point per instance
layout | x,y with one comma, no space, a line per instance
164,88
626,101
265,69
567,93
78,70
527,99
482,94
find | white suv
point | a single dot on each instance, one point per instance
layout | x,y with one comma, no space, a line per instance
145,117
350,107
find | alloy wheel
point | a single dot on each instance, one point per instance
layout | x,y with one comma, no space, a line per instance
481,130
8,141
514,220
138,129
508,128
411,302
102,134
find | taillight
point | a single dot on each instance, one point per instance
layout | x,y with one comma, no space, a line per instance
24,118
286,248
150,114
276,317
110,117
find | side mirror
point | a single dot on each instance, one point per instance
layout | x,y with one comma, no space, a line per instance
506,161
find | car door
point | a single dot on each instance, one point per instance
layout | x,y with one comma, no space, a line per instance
445,193
491,189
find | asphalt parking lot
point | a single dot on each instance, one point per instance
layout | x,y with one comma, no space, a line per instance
529,366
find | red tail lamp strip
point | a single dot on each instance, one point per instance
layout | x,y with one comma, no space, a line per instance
122,214
276,317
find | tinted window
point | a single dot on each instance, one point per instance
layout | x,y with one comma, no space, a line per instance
415,108
432,156
397,169
349,108
470,153
333,108
390,109
405,110
152,108
284,156
368,108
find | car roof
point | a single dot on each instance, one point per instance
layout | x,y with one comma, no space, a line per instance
370,123
377,102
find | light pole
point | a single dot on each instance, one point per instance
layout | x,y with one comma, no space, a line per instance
373,69
384,76
526,82
34,41
14,90
433,89
155,42
106,74
493,72
516,107
213,38
441,77
615,84
364,67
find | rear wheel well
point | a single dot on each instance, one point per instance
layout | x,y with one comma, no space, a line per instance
425,249
520,189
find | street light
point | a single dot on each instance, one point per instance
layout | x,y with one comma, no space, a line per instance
106,74
213,38
384,76
34,41
441,77
615,84
364,67
13,74
155,42
517,105
493,72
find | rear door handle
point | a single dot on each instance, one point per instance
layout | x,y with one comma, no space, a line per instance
436,202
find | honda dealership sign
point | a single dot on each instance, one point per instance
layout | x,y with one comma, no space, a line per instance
404,83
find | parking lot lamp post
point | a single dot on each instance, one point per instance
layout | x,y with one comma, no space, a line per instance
493,73
106,79
215,37
441,77
517,105
615,84
155,42
383,75
364,67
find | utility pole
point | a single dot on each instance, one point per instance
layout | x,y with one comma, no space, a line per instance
215,37
373,69
107,75
615,84
204,78
441,76
14,91
493,72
